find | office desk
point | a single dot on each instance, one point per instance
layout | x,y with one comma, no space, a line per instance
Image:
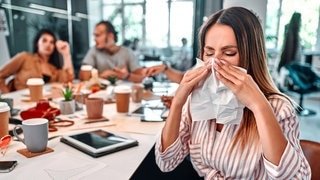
119,165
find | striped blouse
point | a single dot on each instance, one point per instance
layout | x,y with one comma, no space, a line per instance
211,158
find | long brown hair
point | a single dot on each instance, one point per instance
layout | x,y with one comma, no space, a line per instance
252,54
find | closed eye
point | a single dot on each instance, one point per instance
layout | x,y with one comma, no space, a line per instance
230,53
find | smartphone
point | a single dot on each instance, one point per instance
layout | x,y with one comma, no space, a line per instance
7,166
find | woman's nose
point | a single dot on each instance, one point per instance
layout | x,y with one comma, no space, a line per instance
217,56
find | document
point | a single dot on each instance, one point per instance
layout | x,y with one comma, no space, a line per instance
63,166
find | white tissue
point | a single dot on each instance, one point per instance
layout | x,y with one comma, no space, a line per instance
213,100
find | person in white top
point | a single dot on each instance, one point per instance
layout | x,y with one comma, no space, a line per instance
265,143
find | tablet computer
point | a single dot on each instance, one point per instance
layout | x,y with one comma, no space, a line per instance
99,142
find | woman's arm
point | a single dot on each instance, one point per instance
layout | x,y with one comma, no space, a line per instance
172,74
68,66
172,146
243,86
293,164
64,49
190,80
11,68
279,140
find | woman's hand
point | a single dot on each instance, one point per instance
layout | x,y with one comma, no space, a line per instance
240,83
154,70
63,47
167,100
190,79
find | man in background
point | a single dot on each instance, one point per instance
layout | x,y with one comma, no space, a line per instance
110,59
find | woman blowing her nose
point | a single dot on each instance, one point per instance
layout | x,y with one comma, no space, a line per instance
260,143
44,63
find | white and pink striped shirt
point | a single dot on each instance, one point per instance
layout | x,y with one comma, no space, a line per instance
212,159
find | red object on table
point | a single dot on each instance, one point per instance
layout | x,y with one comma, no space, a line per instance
95,88
42,110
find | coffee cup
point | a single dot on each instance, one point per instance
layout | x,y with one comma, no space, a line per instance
85,72
122,94
9,101
35,131
94,108
4,118
137,93
80,100
35,87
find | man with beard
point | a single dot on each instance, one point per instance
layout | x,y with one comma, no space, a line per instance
110,59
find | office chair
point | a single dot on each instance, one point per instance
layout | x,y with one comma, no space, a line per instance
303,80
311,150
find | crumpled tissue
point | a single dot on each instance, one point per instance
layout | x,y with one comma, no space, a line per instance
211,99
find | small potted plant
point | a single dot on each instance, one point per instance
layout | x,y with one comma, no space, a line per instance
67,106
112,80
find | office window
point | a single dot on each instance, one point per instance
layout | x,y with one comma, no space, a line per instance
149,20
157,23
309,10
133,25
272,26
126,16
181,22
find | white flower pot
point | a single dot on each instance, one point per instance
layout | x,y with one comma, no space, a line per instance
67,107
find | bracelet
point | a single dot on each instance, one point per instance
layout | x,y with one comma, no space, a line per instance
166,66
127,77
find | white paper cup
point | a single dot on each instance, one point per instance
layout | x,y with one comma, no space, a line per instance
122,98
4,118
35,87
85,72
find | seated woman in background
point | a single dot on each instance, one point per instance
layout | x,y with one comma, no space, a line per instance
44,63
262,140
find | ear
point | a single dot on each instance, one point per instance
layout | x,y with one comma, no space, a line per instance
111,37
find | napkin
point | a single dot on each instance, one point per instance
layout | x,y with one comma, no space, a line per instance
211,99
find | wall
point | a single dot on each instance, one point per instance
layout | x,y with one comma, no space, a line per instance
258,6
4,52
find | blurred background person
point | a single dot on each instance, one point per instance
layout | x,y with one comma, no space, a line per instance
127,43
135,46
292,49
110,59
44,63
183,61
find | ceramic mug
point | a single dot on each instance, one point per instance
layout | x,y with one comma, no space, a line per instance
35,131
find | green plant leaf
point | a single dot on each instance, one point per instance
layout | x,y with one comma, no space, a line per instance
67,94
